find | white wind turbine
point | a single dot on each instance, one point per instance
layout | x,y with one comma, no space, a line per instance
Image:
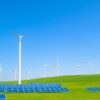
0,68
58,67
45,70
90,66
78,68
19,37
0,71
28,75
15,74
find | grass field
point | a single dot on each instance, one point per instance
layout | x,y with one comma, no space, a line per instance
76,84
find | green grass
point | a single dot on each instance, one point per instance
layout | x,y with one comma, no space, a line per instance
76,84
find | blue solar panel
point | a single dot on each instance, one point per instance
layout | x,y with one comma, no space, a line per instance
58,90
43,90
46,84
9,90
14,88
32,91
2,90
35,87
15,91
92,89
2,97
20,90
65,90
25,88
36,90
26,91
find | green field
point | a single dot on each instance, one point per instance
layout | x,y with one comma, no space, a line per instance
76,84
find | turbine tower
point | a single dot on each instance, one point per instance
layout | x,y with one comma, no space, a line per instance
0,68
78,69
28,75
20,58
0,71
58,66
15,75
45,70
90,63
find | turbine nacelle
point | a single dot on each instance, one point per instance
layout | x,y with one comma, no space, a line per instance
19,36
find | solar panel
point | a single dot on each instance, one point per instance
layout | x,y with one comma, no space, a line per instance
2,90
93,89
2,97
26,91
36,90
20,90
42,90
35,87
15,91
9,90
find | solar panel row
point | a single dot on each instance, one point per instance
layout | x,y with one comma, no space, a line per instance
2,97
46,84
29,85
93,89
36,90
28,88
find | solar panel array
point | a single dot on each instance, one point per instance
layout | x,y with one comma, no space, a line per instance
2,97
32,88
94,89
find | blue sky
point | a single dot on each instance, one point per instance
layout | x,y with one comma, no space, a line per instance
64,29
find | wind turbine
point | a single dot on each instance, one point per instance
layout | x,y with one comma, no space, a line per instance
0,70
28,75
58,66
15,75
90,63
78,68
90,66
45,70
19,37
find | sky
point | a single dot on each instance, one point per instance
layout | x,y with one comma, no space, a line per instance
67,30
